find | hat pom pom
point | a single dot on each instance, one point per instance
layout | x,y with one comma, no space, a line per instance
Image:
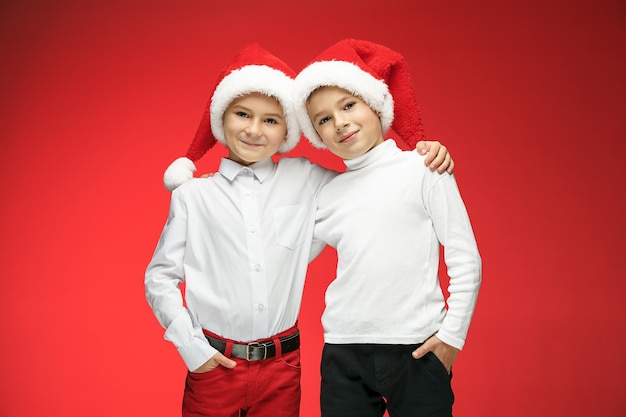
179,171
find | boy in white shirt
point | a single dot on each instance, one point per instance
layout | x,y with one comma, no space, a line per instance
390,336
241,242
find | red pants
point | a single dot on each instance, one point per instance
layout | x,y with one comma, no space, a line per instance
263,388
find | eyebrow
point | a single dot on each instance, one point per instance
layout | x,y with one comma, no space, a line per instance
316,115
276,115
237,107
341,100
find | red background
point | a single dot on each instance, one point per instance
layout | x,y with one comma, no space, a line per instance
99,97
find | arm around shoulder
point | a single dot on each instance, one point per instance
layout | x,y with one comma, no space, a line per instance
437,156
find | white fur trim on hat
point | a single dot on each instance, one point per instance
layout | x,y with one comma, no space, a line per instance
255,79
178,172
347,76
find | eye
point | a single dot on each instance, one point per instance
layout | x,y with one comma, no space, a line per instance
349,105
323,120
271,121
242,114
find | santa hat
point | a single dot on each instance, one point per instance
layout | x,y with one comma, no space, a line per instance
373,72
253,70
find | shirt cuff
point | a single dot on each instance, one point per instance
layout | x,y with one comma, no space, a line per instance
196,353
190,341
449,339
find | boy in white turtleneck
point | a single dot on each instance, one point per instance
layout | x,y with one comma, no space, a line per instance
390,336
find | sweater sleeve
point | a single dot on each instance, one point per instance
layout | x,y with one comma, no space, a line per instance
163,276
454,231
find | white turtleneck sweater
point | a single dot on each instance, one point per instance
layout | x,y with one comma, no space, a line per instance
387,216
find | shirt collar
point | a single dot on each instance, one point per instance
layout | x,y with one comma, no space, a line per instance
262,169
373,155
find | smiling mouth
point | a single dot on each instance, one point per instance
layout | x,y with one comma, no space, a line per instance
347,137
251,144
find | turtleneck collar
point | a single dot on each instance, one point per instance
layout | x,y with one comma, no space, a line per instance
388,147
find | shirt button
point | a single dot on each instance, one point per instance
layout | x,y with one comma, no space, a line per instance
260,307
252,229
248,192
257,267
246,170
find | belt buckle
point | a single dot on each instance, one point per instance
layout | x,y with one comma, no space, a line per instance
253,345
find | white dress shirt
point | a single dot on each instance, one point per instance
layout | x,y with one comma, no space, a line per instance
241,242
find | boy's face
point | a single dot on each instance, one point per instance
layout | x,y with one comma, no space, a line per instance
254,128
346,124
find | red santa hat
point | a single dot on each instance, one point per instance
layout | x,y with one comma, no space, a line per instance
253,70
373,72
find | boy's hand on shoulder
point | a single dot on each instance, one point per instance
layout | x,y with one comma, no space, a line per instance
209,175
217,360
444,352
437,156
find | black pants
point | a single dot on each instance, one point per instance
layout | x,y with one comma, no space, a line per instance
364,380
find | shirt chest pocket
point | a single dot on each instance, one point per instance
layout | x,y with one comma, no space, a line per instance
290,223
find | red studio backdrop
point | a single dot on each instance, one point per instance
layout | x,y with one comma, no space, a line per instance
99,97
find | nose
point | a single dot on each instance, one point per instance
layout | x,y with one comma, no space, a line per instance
340,123
254,127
